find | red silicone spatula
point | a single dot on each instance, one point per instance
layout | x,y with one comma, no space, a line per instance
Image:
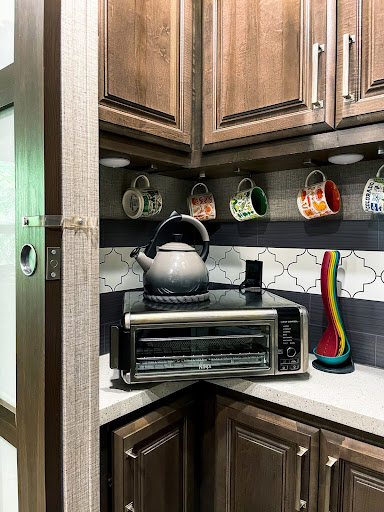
329,343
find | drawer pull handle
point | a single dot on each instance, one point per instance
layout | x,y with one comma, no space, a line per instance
131,453
299,503
317,49
327,489
347,41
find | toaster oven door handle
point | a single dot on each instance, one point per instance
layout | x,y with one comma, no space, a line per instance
299,503
120,358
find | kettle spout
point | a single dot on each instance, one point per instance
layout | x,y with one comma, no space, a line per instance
144,261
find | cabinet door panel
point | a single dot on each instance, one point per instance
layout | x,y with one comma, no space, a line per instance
270,461
257,463
355,482
153,464
364,57
146,66
258,69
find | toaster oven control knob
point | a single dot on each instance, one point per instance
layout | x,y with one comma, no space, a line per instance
291,352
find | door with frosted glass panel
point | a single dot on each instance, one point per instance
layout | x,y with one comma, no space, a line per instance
8,453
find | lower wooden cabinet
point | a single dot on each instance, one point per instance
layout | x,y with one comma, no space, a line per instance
236,457
263,462
153,462
351,475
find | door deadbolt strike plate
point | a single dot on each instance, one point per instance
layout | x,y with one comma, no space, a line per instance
53,266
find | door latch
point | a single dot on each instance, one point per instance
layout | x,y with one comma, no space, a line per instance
53,266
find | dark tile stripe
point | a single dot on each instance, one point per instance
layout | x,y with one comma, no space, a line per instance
363,235
363,321
380,351
317,234
132,233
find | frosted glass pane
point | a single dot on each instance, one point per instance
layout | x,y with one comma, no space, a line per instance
8,477
7,260
7,31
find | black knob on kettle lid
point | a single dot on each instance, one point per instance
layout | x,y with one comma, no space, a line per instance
177,237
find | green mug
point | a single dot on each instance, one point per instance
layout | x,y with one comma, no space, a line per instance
250,203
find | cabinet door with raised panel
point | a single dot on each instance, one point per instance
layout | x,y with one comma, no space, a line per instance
145,72
360,62
351,475
268,69
263,462
153,462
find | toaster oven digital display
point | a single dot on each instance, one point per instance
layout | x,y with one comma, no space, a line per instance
201,349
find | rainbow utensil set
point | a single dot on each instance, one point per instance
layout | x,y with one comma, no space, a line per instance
333,350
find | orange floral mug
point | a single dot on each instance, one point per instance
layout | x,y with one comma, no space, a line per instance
202,206
320,199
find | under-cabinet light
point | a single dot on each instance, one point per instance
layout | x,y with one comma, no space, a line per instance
345,158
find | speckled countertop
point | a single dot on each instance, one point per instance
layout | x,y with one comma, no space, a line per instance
116,399
355,400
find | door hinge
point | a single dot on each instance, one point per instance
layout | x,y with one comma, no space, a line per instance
59,221
53,266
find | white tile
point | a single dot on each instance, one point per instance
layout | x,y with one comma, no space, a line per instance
113,268
233,266
286,282
372,291
356,275
286,256
271,267
373,259
306,270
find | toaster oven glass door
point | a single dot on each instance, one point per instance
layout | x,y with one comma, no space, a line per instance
201,349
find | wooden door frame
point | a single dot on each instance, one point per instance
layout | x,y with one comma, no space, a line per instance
53,86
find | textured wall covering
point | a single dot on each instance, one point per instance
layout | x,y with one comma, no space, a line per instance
281,189
80,193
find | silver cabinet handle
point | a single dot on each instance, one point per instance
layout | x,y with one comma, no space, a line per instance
129,507
327,488
299,503
317,49
347,41
131,453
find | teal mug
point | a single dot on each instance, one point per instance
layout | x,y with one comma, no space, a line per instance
250,203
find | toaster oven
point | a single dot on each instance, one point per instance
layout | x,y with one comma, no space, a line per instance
233,334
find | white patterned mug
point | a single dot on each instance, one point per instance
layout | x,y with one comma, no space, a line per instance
141,202
320,199
250,203
202,206
373,196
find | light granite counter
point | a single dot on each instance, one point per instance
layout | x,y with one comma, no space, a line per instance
355,399
116,399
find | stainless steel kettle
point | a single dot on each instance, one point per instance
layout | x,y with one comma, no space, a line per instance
176,270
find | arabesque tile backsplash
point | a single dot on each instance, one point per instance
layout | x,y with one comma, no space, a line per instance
360,274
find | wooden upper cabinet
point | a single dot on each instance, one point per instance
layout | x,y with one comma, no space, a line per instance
351,475
263,76
360,62
153,462
145,54
264,462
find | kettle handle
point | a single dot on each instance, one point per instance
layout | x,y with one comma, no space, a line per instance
150,250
